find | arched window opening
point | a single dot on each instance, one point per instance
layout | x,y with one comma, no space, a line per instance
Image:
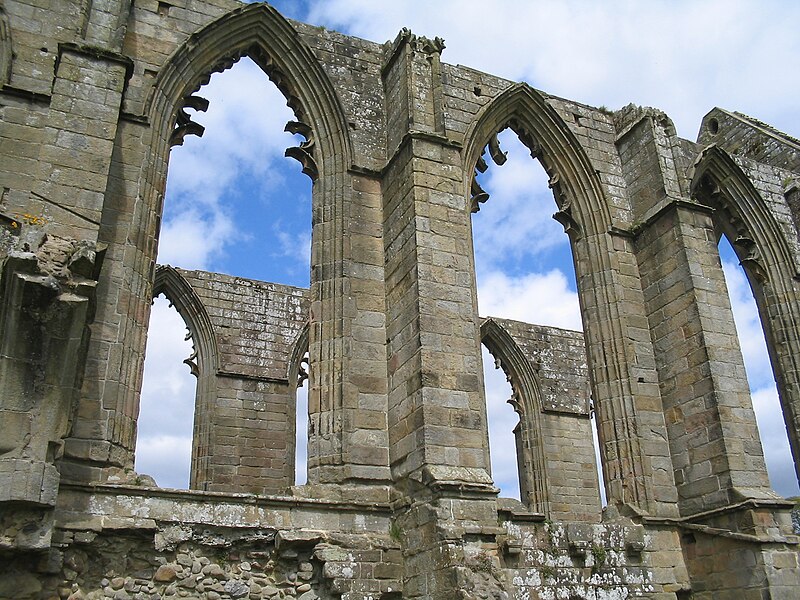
234,204
503,429
598,457
166,423
771,423
525,272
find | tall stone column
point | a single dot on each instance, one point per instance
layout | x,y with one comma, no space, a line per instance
80,142
437,411
437,415
716,452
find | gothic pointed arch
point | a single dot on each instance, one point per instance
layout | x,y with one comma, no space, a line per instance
260,32
588,208
576,186
771,265
526,401
719,182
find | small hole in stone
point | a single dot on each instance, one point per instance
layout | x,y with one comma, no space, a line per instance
163,8
641,379
43,50
713,126
477,91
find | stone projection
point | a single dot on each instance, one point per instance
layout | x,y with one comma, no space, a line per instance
400,501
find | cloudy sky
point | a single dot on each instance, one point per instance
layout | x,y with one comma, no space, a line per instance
235,205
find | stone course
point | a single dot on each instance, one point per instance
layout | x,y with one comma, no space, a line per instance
400,501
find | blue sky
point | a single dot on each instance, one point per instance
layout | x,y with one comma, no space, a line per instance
236,205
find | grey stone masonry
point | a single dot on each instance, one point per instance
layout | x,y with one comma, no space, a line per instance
400,500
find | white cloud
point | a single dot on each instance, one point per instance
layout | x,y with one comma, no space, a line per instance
772,430
748,327
294,246
515,226
191,240
541,298
166,458
683,57
217,182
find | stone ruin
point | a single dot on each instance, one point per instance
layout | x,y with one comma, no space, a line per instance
400,501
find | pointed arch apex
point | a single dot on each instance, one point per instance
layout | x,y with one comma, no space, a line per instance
578,191
260,32
719,181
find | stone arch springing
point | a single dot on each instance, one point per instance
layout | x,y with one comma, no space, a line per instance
526,401
584,210
203,362
771,267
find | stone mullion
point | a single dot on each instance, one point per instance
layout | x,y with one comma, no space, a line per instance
326,358
348,405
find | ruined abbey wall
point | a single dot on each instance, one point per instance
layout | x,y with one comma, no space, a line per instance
400,501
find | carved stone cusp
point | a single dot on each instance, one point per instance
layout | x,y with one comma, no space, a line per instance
302,371
478,196
567,221
498,156
183,123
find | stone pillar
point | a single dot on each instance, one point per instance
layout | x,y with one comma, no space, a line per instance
437,414
107,21
716,453
437,411
78,139
45,307
75,165
348,437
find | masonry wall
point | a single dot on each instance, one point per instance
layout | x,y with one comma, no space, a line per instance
400,500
